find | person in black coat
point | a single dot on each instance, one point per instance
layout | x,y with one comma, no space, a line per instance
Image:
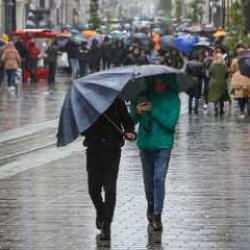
119,53
73,55
95,56
83,59
104,140
51,59
106,53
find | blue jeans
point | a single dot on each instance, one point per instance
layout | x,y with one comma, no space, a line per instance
11,77
74,62
155,167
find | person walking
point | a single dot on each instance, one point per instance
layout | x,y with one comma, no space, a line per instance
104,140
157,114
51,59
95,55
218,86
34,53
83,59
106,53
11,62
73,55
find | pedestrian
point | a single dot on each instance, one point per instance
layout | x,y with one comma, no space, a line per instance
218,85
1,65
11,62
157,114
34,53
104,141
73,55
119,53
23,52
95,56
106,53
240,84
83,59
51,59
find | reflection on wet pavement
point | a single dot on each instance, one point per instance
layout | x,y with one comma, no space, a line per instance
207,206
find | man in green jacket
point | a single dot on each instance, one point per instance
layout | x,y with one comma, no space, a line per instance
157,116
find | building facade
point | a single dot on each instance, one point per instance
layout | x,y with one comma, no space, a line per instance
12,15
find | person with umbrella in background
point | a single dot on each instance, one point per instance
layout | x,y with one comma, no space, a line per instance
157,114
34,53
95,56
51,59
218,87
104,140
11,62
106,53
73,55
119,53
83,58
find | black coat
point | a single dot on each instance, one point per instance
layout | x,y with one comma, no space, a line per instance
103,134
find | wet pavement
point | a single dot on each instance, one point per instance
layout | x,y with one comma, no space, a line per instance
44,204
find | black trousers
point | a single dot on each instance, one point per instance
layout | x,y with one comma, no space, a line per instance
52,73
103,168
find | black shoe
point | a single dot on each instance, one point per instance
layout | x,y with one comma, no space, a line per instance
157,224
106,232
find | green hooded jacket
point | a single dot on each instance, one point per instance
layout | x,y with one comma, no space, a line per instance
157,127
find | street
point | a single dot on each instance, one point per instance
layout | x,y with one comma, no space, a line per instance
44,203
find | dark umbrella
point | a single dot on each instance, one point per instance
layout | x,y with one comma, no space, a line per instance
91,96
244,64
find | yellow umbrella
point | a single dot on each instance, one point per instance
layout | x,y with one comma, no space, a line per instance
220,33
89,33
5,38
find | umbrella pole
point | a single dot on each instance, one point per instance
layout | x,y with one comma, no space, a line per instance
113,124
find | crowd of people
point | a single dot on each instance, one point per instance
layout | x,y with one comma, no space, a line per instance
217,76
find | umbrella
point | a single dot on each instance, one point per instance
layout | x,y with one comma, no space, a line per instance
91,96
78,39
89,33
185,43
167,41
244,63
220,33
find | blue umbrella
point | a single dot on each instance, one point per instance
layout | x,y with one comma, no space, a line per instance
167,41
185,43
91,96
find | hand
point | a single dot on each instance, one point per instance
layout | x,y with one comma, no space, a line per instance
144,107
130,136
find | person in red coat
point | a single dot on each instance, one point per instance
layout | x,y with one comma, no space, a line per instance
34,53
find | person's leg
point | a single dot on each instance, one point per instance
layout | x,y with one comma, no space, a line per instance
13,78
95,181
241,102
221,107
161,164
112,162
196,108
8,74
190,104
148,178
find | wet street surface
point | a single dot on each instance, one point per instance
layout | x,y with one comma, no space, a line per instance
44,204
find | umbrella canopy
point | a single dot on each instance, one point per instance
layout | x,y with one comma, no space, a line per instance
220,33
78,39
89,33
185,43
244,63
91,96
167,41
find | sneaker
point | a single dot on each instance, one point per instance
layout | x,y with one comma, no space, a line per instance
157,224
